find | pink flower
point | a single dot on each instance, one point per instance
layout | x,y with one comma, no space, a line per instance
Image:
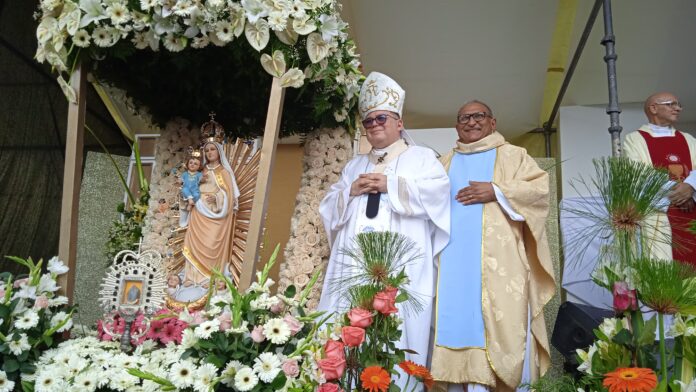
332,368
2,292
329,387
278,307
41,302
334,349
291,368
352,336
257,334
225,321
294,324
385,301
360,317
624,298
20,282
171,333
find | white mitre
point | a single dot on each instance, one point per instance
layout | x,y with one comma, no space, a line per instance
380,92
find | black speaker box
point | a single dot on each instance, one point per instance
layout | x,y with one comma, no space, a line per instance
574,326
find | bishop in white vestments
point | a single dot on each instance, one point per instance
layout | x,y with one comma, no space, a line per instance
397,187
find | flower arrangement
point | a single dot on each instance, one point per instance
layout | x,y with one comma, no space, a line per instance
32,319
89,364
360,351
302,42
325,154
632,194
248,341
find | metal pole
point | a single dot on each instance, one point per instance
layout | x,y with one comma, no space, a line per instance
613,109
569,75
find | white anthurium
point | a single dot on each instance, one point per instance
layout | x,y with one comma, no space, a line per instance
317,48
274,65
304,25
58,41
293,78
67,90
238,20
257,34
57,59
94,11
46,29
287,36
69,18
254,10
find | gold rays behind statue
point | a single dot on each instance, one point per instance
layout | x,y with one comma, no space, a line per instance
245,165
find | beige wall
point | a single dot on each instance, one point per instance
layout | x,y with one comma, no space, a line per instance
285,183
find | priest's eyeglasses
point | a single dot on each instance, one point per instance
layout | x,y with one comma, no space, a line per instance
478,117
379,119
671,104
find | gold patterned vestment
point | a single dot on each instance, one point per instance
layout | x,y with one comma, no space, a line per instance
517,276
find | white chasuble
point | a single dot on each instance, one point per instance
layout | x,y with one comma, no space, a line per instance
417,205
500,249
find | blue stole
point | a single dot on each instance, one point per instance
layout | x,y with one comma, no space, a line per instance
459,318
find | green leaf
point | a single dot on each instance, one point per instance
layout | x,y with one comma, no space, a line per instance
11,365
623,338
27,386
402,297
290,291
647,335
279,381
394,388
215,360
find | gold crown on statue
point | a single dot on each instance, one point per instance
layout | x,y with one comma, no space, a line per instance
192,152
212,131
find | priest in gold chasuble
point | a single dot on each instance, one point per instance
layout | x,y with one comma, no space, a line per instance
495,275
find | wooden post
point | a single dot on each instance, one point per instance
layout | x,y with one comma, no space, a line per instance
263,183
72,178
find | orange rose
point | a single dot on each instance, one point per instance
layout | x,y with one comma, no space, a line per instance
360,317
352,336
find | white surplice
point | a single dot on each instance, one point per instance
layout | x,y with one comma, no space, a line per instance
416,205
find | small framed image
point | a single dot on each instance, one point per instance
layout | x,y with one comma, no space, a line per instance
132,291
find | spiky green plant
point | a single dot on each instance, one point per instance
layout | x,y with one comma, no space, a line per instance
667,287
625,197
375,261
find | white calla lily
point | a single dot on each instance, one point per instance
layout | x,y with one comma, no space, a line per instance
257,34
317,48
293,78
274,65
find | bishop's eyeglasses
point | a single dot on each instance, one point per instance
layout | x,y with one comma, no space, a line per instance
379,119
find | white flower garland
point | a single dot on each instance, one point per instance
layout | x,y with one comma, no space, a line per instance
326,153
70,29
170,153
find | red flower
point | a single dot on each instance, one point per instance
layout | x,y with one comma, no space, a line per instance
332,368
360,317
385,301
352,336
624,299
334,349
375,379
